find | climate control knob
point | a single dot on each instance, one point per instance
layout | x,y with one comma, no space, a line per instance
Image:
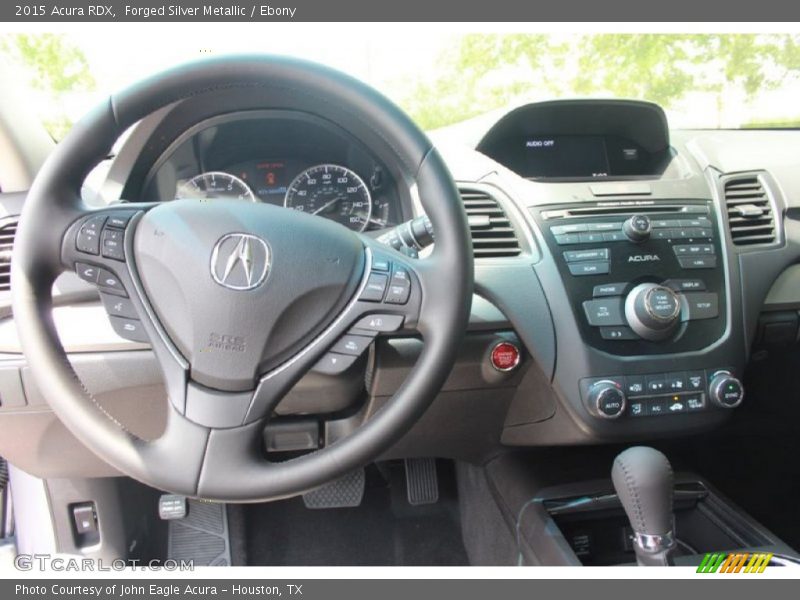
725,390
606,400
637,228
653,311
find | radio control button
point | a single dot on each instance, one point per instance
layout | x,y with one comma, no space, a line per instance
702,305
686,285
618,333
571,228
614,236
604,312
588,268
604,226
637,228
698,262
666,223
583,255
590,238
608,289
568,238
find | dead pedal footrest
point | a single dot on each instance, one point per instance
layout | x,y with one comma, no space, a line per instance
201,536
422,484
346,492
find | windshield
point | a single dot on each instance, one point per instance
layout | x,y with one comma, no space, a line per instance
441,79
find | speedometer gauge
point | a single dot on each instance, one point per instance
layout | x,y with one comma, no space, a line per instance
334,192
215,185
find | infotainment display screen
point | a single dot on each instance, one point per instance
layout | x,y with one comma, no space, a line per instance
563,156
571,156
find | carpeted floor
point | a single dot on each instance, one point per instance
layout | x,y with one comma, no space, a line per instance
384,530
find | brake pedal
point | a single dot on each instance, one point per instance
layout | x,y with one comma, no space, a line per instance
200,535
346,492
422,483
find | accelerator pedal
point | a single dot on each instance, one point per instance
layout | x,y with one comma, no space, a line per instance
199,534
346,492
422,484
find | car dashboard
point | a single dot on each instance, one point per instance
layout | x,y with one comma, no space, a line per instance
623,271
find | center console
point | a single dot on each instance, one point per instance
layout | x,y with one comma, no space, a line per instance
647,286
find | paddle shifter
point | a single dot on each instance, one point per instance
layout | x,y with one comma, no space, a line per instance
643,479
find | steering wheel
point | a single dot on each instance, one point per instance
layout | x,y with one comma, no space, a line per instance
239,300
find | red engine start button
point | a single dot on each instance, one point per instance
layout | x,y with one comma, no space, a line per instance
505,356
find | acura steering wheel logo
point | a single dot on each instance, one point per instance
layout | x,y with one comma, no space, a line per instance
240,261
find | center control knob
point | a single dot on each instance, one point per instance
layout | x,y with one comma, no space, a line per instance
606,400
653,311
725,390
637,228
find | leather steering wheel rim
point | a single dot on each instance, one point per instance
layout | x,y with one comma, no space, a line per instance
219,463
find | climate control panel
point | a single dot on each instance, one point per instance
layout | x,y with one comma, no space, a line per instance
660,394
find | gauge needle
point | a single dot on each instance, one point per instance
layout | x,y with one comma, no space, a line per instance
327,205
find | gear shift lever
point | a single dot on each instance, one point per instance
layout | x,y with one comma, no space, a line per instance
643,479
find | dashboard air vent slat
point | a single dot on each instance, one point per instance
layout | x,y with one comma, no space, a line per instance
750,215
7,233
493,235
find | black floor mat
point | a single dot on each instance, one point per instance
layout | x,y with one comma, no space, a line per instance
384,530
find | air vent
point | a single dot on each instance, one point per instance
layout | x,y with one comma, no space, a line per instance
7,233
749,211
493,236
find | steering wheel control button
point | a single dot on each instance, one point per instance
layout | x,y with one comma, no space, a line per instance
702,305
618,333
88,239
119,219
399,287
118,306
87,272
110,282
588,268
352,344
381,264
334,364
652,311
606,399
112,244
608,289
130,329
637,228
505,356
586,255
698,262
375,288
725,390
606,312
379,323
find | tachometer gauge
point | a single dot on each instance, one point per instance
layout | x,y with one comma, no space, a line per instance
215,185
334,192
